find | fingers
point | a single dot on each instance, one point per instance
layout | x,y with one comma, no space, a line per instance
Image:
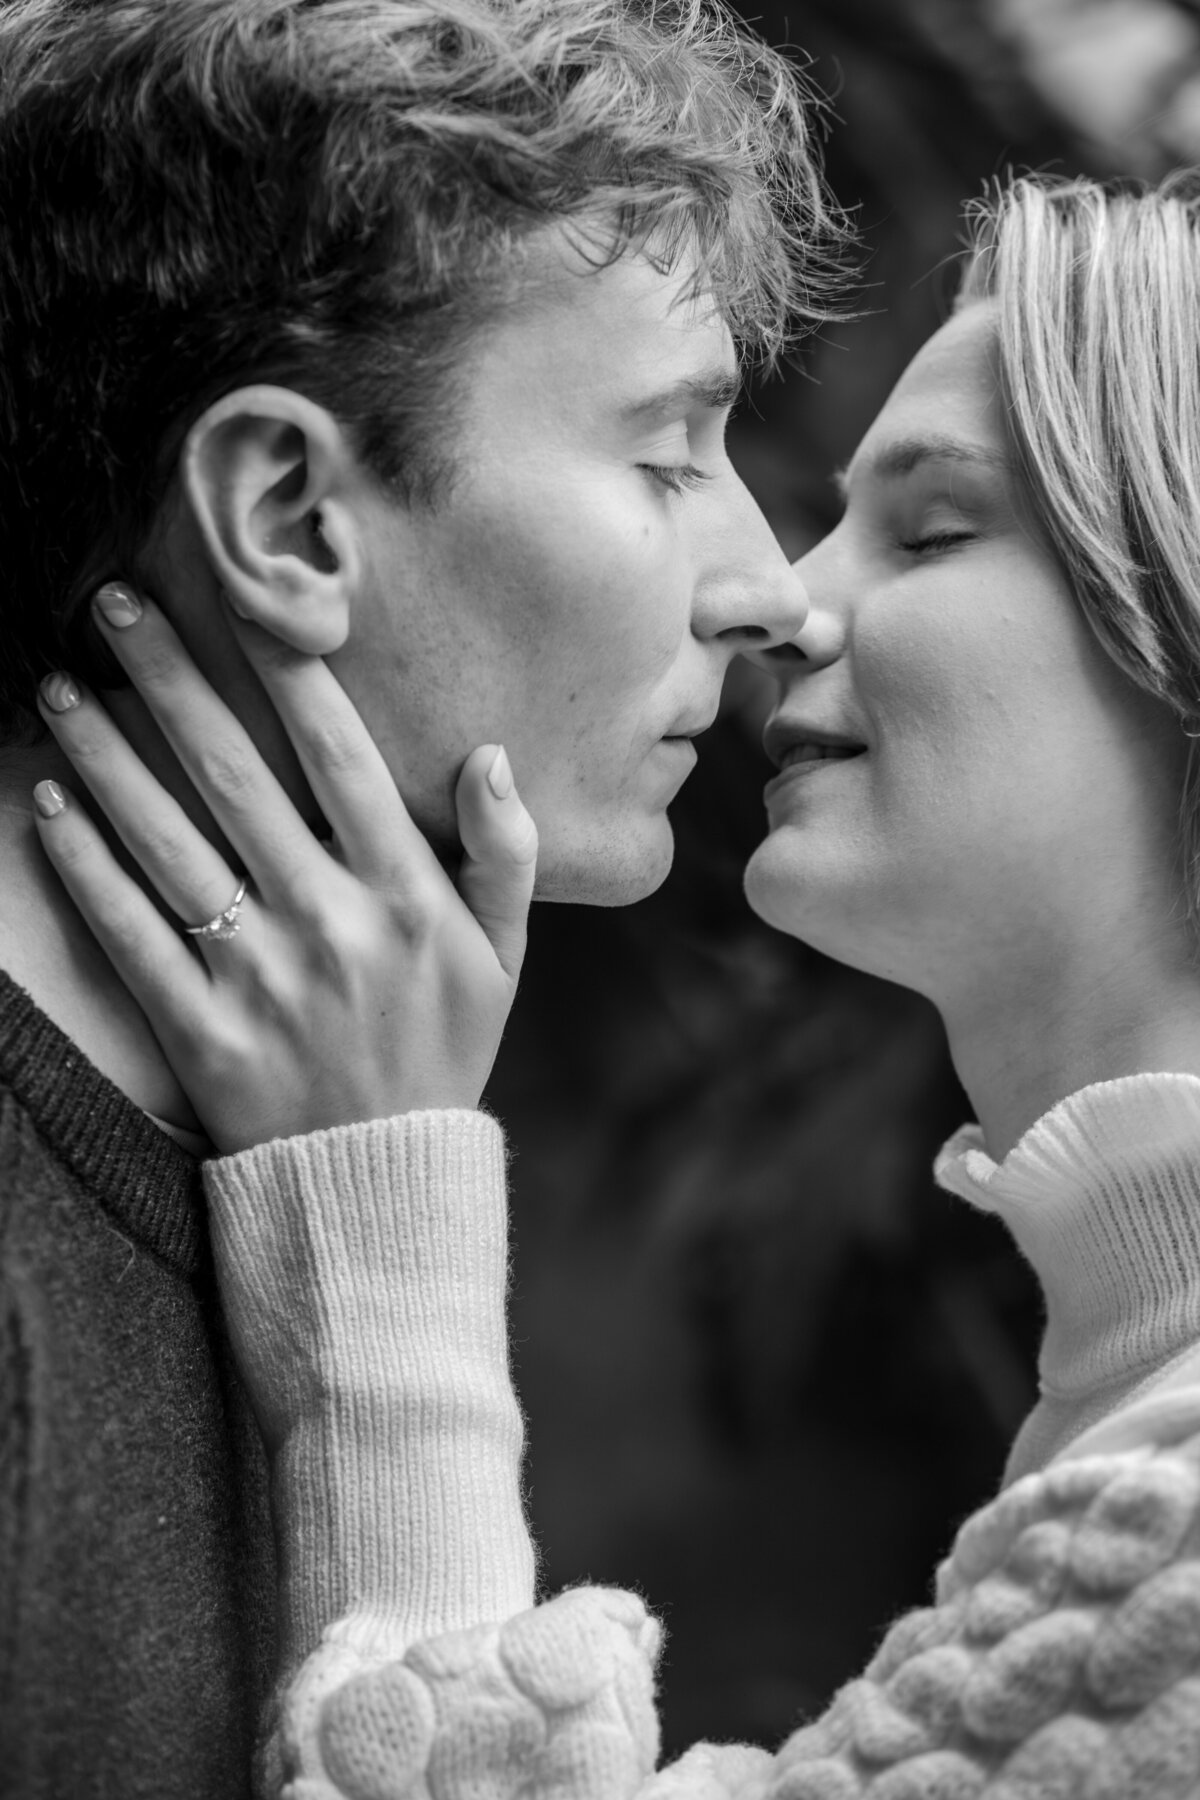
500,847
217,753
193,879
377,840
148,955
350,780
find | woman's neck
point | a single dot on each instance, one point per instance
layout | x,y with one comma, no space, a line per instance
1025,1038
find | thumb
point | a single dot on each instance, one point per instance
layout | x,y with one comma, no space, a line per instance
500,846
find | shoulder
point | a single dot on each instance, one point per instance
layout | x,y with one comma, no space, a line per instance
32,1172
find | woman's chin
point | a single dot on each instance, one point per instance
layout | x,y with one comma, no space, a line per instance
832,912
784,893
766,891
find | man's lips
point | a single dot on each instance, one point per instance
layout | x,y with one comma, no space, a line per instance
692,728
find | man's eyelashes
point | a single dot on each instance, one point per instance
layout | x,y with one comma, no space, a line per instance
677,477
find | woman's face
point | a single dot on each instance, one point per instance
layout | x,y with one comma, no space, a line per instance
999,795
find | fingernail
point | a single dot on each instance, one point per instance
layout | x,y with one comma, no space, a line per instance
49,799
500,776
59,692
118,605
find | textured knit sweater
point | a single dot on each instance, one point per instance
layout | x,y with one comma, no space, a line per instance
136,1566
1060,1659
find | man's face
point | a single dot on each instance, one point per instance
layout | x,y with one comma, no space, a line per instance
581,589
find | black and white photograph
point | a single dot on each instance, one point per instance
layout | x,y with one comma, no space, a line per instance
599,900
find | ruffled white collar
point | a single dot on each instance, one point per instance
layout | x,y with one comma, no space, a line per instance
1102,1195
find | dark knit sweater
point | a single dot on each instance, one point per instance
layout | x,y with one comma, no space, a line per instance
136,1564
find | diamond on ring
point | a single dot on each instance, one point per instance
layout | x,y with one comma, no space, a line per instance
227,924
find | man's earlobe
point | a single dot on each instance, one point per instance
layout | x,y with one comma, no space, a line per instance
271,483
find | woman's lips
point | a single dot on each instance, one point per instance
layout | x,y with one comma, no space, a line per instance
802,765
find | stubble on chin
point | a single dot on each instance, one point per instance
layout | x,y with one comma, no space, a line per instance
604,869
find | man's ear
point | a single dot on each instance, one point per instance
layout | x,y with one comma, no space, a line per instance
270,480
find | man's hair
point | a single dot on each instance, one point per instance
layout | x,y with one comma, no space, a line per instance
334,195
1097,288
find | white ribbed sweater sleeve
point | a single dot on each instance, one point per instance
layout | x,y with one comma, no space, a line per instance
363,1275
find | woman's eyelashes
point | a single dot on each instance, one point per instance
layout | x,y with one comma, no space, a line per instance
930,543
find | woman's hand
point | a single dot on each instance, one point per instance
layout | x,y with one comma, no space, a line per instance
361,981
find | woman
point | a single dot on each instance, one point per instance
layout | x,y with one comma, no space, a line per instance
987,790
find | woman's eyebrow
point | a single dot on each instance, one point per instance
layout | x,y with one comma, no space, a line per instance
905,454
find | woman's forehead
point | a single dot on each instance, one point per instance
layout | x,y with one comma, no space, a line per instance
948,401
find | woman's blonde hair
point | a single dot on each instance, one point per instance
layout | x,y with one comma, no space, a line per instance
1097,289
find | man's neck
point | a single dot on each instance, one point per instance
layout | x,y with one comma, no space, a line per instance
48,949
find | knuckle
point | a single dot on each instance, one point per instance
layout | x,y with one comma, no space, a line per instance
124,931
85,735
72,851
328,959
334,745
318,902
329,944
225,766
272,1002
160,847
415,910
154,662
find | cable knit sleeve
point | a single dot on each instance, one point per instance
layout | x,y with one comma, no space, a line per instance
1060,1661
1062,1656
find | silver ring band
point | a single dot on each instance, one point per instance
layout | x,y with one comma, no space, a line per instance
225,925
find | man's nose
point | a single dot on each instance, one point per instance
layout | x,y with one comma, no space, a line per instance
821,638
751,600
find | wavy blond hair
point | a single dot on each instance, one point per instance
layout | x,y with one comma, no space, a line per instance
1097,288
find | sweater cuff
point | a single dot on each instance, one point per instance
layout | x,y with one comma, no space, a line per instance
394,1223
363,1272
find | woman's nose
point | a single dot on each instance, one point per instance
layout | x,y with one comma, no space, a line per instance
819,641
822,636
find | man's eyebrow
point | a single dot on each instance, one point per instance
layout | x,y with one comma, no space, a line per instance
903,455
715,388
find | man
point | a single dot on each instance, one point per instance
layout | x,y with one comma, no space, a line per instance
411,330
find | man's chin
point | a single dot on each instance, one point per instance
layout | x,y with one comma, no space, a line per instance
605,874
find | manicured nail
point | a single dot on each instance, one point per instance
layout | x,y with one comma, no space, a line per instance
118,605
500,776
59,692
49,799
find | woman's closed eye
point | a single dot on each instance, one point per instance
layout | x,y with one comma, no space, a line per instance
929,543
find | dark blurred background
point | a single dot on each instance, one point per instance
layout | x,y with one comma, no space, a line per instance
767,1366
